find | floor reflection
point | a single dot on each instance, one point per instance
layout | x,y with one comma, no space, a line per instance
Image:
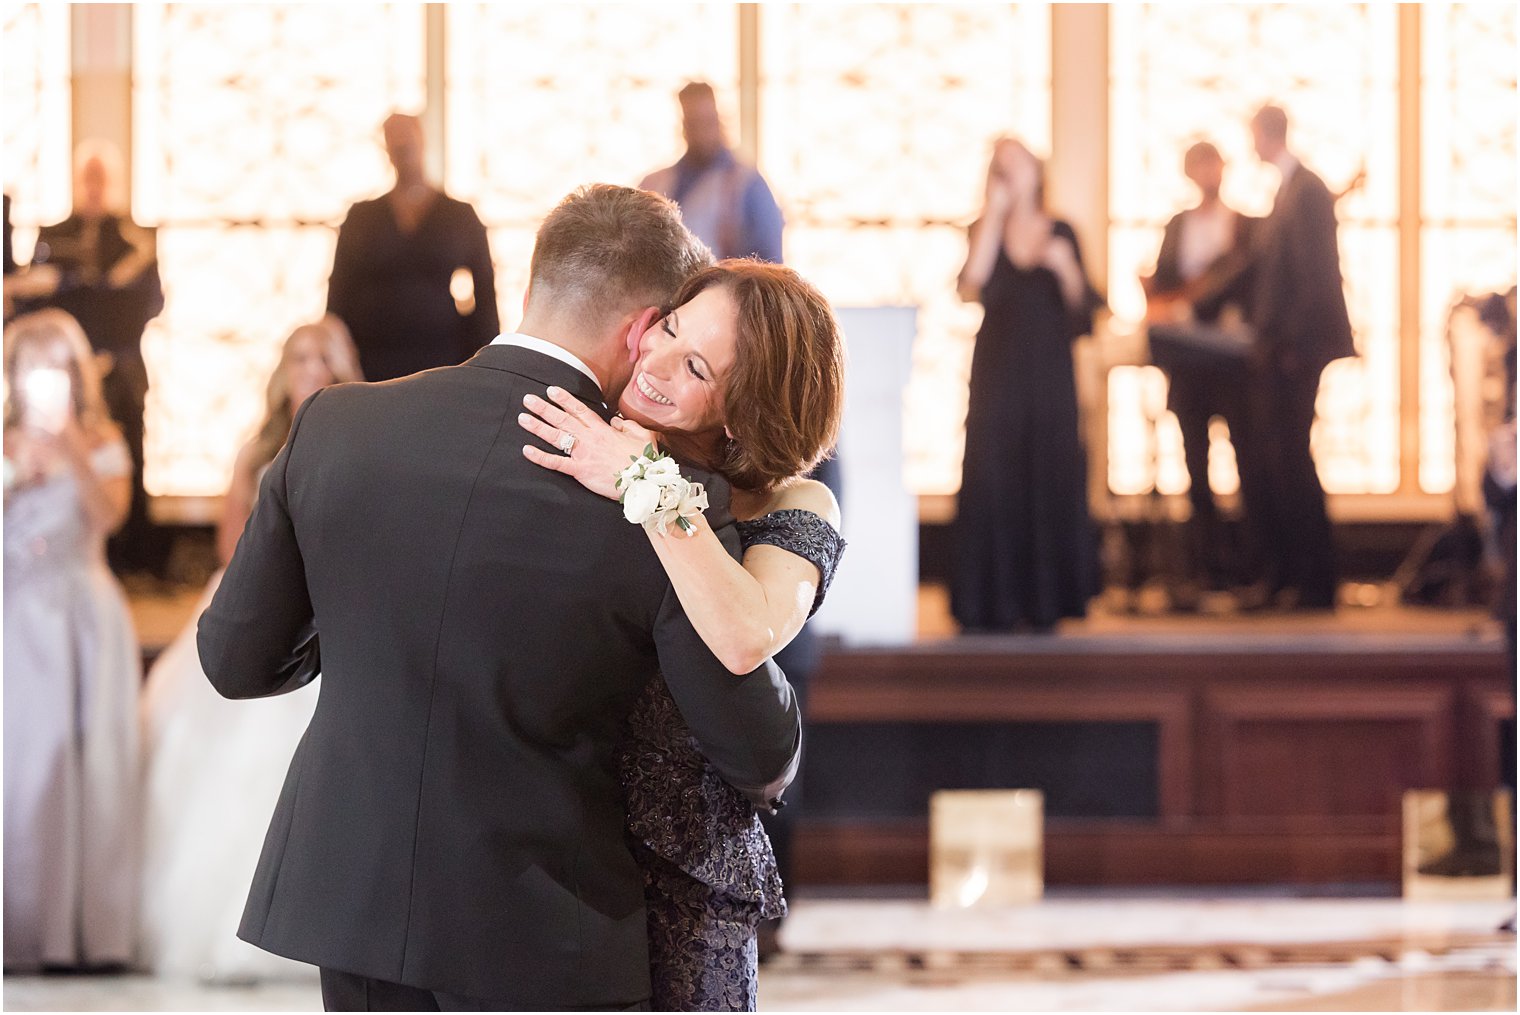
1134,952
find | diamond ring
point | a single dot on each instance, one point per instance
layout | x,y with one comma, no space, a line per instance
566,442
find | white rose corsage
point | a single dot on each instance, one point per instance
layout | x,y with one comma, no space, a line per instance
655,494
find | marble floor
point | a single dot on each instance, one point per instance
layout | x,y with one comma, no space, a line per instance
1088,953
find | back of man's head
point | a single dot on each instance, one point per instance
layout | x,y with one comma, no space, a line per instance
607,251
696,91
1272,123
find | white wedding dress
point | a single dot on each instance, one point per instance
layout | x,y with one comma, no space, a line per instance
214,769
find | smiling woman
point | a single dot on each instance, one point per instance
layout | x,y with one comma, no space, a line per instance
684,359
743,377
781,381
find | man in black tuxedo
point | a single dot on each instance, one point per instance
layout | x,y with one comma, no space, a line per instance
1297,308
451,833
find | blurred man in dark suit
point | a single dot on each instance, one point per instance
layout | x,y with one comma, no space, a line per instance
1297,309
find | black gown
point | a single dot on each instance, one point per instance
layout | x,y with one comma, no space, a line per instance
1026,552
392,288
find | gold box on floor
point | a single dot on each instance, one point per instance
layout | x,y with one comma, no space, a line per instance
986,847
1458,846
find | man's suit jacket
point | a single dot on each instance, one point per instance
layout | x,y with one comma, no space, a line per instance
1292,283
452,819
393,289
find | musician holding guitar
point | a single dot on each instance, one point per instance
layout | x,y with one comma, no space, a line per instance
1287,280
1205,356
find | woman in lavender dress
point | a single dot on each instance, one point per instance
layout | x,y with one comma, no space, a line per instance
744,377
72,667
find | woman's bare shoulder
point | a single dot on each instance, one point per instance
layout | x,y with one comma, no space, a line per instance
808,495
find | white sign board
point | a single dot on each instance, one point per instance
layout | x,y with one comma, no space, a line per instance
874,598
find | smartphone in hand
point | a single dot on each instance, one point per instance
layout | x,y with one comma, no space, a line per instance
49,399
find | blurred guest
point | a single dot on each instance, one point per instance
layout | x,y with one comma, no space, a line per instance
72,666
724,201
1499,484
1297,309
1476,842
412,275
1499,473
10,254
1200,251
1026,551
102,268
215,767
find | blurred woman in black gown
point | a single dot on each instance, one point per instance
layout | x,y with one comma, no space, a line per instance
1026,549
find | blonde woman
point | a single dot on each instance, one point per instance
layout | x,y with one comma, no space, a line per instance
71,660
215,767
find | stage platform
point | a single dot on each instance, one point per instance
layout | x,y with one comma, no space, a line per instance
1215,748
1207,749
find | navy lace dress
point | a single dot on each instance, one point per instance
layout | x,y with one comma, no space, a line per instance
709,874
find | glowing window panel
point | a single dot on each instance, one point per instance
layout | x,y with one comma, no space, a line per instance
1144,438
1181,73
876,122
1467,196
37,100
542,98
255,126
231,295
261,113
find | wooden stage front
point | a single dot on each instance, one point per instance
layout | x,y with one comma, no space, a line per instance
1204,750
1271,749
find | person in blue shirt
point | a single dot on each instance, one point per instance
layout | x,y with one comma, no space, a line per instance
724,200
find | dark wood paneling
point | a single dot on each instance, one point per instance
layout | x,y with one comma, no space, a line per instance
1486,707
1323,750
1277,760
1112,853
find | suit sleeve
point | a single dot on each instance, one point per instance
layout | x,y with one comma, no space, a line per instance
340,284
1167,278
749,727
484,322
1316,262
763,221
257,638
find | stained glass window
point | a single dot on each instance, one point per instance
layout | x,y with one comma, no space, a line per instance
38,176
876,123
542,98
254,128
1467,195
1180,73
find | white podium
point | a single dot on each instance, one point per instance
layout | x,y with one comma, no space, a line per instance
874,598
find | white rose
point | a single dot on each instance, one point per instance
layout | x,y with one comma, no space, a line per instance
640,500
663,468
